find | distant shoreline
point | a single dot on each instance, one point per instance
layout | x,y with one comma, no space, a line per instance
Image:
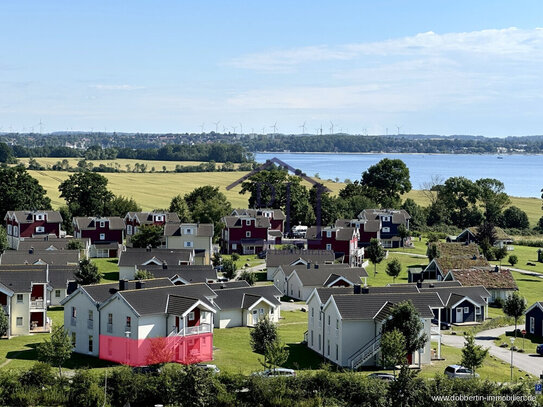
386,152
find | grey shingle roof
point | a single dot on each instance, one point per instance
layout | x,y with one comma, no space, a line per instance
237,222
229,298
57,257
433,284
153,300
191,273
314,277
176,229
178,305
40,244
133,257
145,218
59,277
101,292
89,223
475,293
229,284
20,281
277,213
287,270
276,258
28,216
325,292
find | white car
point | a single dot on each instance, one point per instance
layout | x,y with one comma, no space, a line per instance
211,368
459,372
279,372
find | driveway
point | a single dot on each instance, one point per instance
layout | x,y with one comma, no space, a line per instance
528,363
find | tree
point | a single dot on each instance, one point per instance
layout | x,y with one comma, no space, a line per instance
418,213
86,194
513,259
486,236
432,251
393,269
473,355
393,349
406,319
276,354
4,323
67,219
458,198
179,205
499,254
493,198
385,181
229,268
87,273
148,235
143,275
74,244
3,239
404,233
57,349
248,276
208,205
120,206
263,334
514,307
216,260
375,253
514,217
19,191
6,154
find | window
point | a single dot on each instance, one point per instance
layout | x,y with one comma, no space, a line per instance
248,234
16,231
319,341
386,230
19,298
129,229
102,236
272,311
188,231
477,310
312,312
328,246
261,311
128,322
110,319
234,246
57,293
328,347
74,312
40,216
320,316
191,316
10,229
159,218
188,244
466,310
386,243
532,325
312,338
19,321
73,339
40,229
91,315
328,319
248,222
102,224
385,218
328,233
337,323
337,351
90,343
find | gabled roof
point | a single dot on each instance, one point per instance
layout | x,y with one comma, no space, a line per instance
487,277
367,306
101,292
287,270
133,257
228,298
538,304
342,233
188,273
176,229
325,292
28,216
239,221
180,305
459,256
276,258
320,276
39,244
52,257
146,218
432,284
500,233
229,284
398,215
277,213
21,281
477,294
89,223
60,277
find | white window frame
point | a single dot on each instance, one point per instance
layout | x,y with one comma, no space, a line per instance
477,310
188,231
247,222
191,316
128,323
74,339
10,229
57,293
328,233
102,236
102,223
387,244
385,229
110,319
16,231
532,325
328,246
19,321
248,233
188,244
91,315
40,216
74,312
91,343
159,218
128,229
40,229
234,246
20,298
466,310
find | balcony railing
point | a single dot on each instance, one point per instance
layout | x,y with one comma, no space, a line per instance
90,324
34,328
191,330
73,321
37,304
109,328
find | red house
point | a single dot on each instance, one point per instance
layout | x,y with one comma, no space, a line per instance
276,216
245,234
105,234
342,240
26,224
133,220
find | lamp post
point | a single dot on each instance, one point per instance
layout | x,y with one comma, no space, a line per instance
512,343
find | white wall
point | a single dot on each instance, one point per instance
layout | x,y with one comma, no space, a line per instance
228,318
127,273
279,280
120,310
152,326
53,299
20,310
83,305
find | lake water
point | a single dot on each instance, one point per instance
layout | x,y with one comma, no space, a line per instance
521,174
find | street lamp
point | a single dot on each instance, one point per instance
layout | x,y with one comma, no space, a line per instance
512,343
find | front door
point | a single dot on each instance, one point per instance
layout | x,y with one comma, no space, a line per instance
459,314
255,317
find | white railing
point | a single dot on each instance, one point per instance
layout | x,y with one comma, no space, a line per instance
365,353
37,304
191,330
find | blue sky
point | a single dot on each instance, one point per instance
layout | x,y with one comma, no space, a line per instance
431,67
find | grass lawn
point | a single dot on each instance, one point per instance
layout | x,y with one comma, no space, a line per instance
419,247
251,259
529,344
382,278
233,350
109,270
525,255
530,287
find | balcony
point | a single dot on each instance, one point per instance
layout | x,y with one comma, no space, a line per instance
34,328
191,330
90,324
37,304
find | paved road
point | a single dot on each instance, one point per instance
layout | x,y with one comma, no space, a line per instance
526,362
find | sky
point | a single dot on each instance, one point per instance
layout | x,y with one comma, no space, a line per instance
360,67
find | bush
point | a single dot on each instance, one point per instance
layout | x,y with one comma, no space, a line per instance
248,276
235,256
263,334
39,375
85,390
498,303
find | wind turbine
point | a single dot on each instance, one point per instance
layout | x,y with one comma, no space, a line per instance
216,126
321,129
398,127
331,127
303,128
202,127
234,129
274,127
240,128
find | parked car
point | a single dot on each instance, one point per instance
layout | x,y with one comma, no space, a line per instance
444,325
211,368
262,254
151,369
279,372
382,376
459,372
539,349
222,280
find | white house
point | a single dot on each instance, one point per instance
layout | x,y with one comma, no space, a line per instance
132,259
276,258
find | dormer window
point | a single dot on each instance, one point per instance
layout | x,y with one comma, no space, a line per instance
386,230
328,233
188,231
385,218
40,216
159,218
102,223
248,222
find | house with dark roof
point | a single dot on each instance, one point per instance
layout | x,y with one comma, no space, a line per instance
292,257
182,274
25,224
276,216
131,259
246,305
245,234
34,257
451,256
343,241
299,281
346,328
381,224
500,283
469,235
23,296
534,319
133,220
49,243
197,236
105,234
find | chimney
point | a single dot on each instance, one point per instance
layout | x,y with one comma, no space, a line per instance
123,285
308,266
164,265
31,250
419,284
148,248
316,266
140,284
432,285
496,269
365,290
356,288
